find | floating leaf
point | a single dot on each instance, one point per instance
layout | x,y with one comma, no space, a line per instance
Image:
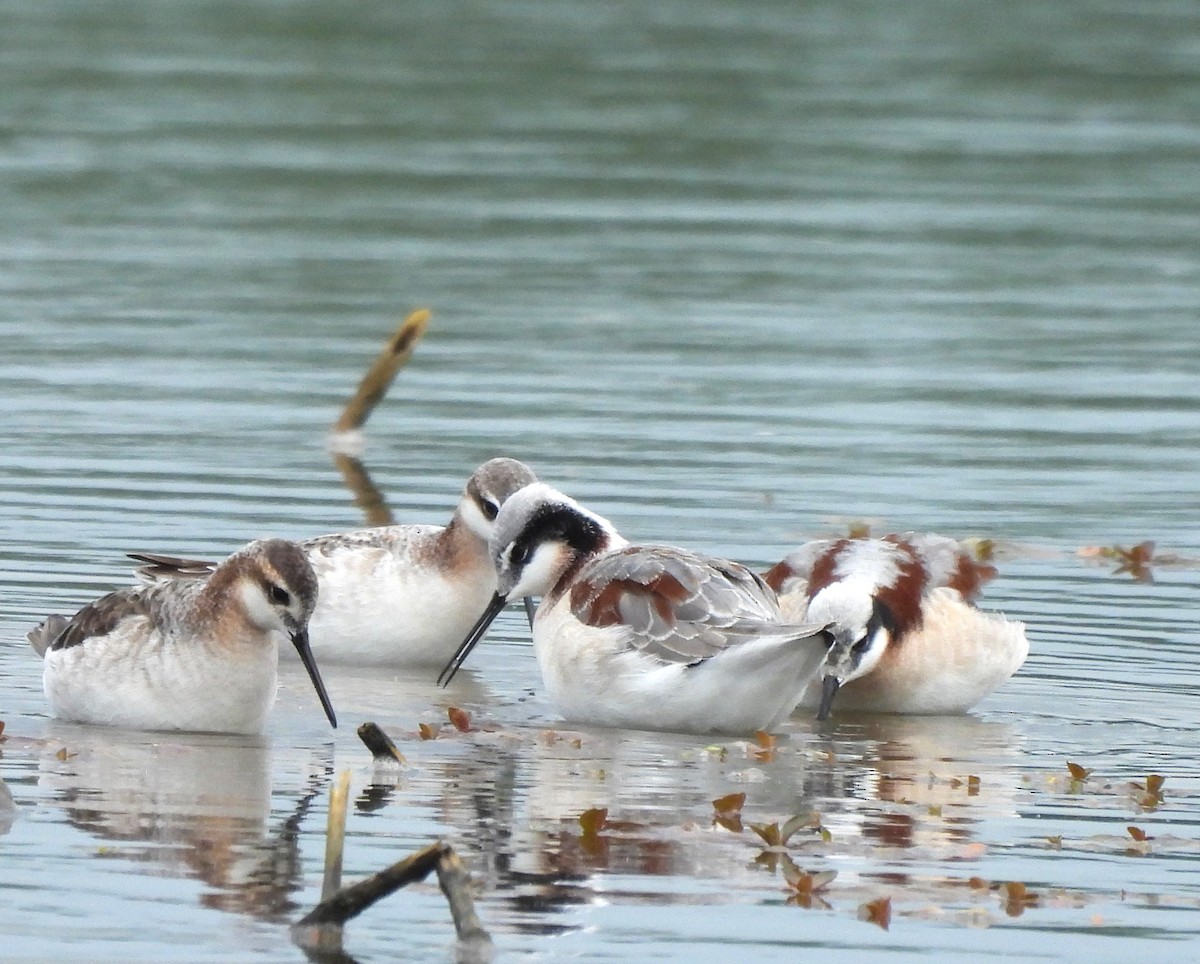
973,783
593,821
769,833
877,912
799,822
763,747
727,811
64,754
1136,561
1077,772
807,882
460,718
1148,795
984,550
1017,897
1138,834
427,732
1055,842
977,883
804,887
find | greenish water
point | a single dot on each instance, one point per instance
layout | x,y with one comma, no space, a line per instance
732,275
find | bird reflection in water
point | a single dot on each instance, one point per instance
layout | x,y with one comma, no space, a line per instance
199,803
894,789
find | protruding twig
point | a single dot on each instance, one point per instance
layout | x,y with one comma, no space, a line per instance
374,385
351,901
331,914
456,885
335,836
380,744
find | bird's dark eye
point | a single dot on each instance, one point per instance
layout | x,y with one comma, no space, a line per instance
861,646
279,595
518,555
490,508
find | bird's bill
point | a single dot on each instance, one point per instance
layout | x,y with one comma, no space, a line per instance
829,687
498,602
300,641
530,610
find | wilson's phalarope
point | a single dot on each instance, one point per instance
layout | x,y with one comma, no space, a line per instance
197,654
908,638
403,594
649,637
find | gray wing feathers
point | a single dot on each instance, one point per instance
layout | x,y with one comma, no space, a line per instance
678,606
42,636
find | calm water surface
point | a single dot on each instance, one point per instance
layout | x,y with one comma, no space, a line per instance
735,276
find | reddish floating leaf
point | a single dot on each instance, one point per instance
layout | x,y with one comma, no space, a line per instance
977,883
460,718
765,739
877,912
593,821
769,833
1077,772
1017,897
731,803
727,811
1154,784
1138,834
427,732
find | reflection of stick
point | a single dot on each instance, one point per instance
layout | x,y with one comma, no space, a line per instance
366,496
335,836
380,745
394,356
333,912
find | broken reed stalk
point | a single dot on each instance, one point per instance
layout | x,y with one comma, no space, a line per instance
375,383
335,836
366,496
380,744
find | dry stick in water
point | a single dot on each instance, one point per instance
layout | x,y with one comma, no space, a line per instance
353,900
375,383
456,885
335,836
380,745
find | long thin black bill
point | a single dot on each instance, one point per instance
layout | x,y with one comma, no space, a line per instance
829,687
300,641
530,610
474,636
